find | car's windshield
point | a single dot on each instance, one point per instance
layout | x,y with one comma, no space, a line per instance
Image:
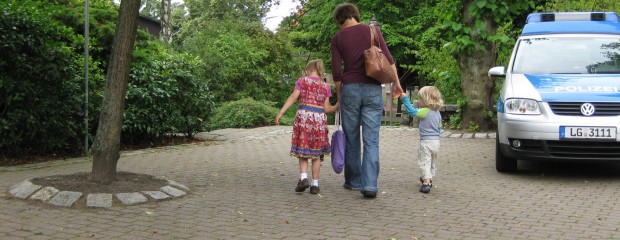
568,55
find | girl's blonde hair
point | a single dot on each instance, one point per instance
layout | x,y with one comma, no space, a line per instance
431,97
317,66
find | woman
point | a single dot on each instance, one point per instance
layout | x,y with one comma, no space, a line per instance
360,98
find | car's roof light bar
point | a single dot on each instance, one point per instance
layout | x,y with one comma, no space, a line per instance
572,16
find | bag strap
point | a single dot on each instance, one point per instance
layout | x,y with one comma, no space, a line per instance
373,39
338,120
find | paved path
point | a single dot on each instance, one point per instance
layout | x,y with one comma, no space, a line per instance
242,188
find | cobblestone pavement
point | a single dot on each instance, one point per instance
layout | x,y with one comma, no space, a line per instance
243,188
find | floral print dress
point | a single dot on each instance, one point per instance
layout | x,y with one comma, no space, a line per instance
310,134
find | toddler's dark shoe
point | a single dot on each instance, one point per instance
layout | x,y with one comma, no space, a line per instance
422,181
302,185
426,188
314,189
369,194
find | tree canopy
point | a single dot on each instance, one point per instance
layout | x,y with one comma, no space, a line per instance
242,57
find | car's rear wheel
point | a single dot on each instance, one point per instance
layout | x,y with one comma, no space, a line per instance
503,163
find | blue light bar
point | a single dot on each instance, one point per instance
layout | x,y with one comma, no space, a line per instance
568,27
572,16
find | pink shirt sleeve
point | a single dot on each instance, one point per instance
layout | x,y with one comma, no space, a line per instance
329,91
298,84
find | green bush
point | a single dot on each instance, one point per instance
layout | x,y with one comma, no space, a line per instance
246,113
40,84
193,102
165,95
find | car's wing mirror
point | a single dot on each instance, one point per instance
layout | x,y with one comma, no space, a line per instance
499,71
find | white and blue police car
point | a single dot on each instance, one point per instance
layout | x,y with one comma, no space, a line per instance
560,99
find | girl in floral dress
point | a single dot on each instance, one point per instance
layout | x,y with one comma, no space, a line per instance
310,134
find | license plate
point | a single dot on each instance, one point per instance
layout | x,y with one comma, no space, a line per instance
588,132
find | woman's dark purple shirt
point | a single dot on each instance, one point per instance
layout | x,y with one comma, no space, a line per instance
348,47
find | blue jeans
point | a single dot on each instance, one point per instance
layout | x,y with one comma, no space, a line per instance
361,105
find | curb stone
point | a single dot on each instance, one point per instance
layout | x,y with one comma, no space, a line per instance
177,185
65,198
26,190
99,200
131,198
481,135
157,195
172,191
45,194
445,134
456,135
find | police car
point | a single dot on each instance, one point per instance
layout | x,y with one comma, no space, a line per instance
560,99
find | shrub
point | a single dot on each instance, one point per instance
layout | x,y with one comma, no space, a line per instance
166,95
40,96
246,113
41,80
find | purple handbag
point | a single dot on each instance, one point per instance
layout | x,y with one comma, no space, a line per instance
338,143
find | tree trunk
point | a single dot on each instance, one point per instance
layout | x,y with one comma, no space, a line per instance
106,148
477,87
166,6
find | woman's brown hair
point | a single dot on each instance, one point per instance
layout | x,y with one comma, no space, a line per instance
344,11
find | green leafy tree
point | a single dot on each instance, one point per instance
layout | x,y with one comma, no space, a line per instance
482,34
242,57
168,13
103,16
471,27
242,10
151,8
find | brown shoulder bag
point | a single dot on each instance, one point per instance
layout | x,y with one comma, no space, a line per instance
377,65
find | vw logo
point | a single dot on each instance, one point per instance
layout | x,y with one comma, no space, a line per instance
587,109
